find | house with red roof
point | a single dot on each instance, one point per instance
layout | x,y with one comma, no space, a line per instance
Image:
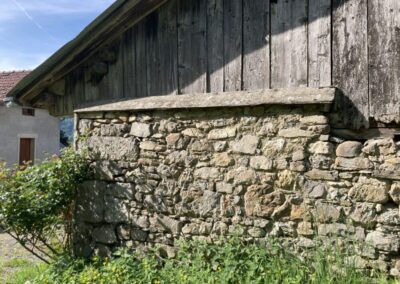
26,134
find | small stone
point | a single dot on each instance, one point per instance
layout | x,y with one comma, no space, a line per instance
151,146
297,212
139,129
322,148
314,120
395,192
247,145
326,212
256,232
318,191
207,173
353,164
105,234
218,134
171,225
124,232
298,156
220,146
364,214
172,139
261,163
192,132
223,187
305,229
370,190
349,149
384,242
316,174
390,217
222,160
295,133
335,229
242,175
138,235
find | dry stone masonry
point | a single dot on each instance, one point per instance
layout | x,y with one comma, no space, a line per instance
263,171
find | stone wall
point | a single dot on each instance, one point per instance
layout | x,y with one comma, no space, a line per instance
265,171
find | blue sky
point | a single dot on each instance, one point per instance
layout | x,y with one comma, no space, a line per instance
32,30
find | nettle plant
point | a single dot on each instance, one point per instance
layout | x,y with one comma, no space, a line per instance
36,203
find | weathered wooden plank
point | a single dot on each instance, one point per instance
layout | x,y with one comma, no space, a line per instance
384,59
168,48
233,40
141,62
319,43
215,45
350,60
256,49
115,76
129,55
192,46
152,54
289,43
290,96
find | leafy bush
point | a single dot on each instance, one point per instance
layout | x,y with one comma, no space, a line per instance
35,202
227,261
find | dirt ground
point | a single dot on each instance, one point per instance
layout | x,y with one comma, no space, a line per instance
11,251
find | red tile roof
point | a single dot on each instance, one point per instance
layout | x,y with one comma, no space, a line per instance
8,80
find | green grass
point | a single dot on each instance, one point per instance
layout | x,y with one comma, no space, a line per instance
228,261
19,271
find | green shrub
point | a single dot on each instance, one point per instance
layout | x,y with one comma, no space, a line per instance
227,261
35,202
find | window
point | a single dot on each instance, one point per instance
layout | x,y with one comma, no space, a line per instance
26,150
28,111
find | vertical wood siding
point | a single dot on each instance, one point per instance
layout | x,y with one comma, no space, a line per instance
226,45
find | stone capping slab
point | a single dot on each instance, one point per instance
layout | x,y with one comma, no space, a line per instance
289,96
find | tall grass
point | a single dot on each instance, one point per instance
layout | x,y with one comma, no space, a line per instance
226,261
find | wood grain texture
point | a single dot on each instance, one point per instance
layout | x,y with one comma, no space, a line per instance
350,61
319,43
192,46
168,48
152,54
129,54
215,46
114,80
256,48
141,62
233,40
289,43
384,59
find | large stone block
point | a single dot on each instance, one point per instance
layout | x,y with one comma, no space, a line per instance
121,190
370,190
116,211
111,148
383,241
261,163
90,202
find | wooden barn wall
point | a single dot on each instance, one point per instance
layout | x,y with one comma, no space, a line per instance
226,45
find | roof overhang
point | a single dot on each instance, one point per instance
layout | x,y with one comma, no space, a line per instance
119,17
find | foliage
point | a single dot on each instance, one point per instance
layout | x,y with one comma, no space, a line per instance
35,201
226,261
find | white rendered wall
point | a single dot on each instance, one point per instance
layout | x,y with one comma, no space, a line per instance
13,126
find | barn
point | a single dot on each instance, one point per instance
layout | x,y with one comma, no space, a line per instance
271,117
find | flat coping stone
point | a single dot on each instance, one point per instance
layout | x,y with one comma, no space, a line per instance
285,96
